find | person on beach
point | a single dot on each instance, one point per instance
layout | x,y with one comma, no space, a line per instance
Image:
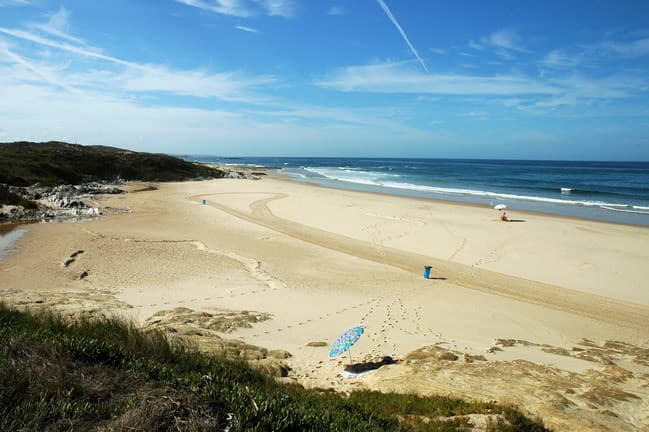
503,217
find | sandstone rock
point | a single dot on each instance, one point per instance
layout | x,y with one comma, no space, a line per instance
317,344
272,367
447,356
279,354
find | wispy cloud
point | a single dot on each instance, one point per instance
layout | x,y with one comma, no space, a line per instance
283,8
403,33
438,50
247,29
503,42
637,48
138,77
40,72
558,59
15,2
58,26
475,114
396,78
335,10
527,93
225,7
246,8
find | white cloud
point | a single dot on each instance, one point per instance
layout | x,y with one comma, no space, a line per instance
513,91
247,29
637,48
506,39
37,72
438,50
43,113
403,33
612,87
83,51
482,115
503,42
226,7
15,2
109,100
136,77
245,8
335,10
283,8
57,26
395,78
558,59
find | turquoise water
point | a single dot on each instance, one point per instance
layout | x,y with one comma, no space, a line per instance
608,191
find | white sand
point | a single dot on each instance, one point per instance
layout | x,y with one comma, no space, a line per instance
321,260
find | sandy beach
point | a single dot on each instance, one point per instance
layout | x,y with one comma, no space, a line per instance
548,313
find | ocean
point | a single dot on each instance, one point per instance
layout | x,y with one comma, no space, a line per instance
607,191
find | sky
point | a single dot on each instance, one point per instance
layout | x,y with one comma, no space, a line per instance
384,78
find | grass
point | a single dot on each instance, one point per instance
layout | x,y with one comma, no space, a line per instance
108,375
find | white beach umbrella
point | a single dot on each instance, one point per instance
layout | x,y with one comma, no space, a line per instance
500,207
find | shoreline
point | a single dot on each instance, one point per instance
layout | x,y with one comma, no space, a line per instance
582,204
288,178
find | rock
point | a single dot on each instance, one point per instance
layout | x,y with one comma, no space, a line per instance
61,202
471,358
447,356
272,367
279,354
83,275
317,344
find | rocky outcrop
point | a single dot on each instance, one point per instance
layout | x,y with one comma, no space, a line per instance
57,202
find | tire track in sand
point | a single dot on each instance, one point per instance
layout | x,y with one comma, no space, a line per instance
584,304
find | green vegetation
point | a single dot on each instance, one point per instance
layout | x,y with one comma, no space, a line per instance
9,198
54,163
56,374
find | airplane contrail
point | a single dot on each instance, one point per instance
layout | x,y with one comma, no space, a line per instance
403,34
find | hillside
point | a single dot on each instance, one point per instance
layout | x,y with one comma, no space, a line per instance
54,163
107,375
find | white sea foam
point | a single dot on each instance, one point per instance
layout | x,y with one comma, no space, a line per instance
628,211
244,164
386,180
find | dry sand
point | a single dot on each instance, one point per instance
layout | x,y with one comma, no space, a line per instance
551,314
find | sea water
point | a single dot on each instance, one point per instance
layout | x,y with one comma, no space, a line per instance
608,191
9,234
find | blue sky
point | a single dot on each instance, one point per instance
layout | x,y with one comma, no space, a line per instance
511,79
